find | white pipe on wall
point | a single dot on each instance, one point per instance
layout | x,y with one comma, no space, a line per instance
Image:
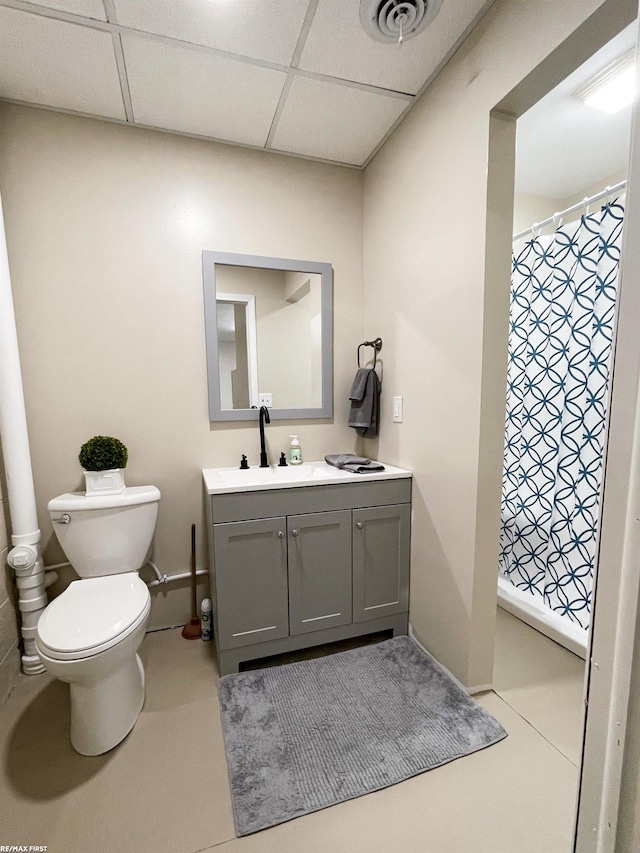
182,576
24,557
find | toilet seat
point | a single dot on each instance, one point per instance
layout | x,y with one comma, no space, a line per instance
92,615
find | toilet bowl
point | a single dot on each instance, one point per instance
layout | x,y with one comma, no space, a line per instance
89,637
90,634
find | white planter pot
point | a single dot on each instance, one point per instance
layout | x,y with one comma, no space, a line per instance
109,482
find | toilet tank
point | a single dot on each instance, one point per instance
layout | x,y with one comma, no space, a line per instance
106,534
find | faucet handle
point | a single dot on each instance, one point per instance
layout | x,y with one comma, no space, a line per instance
244,465
283,461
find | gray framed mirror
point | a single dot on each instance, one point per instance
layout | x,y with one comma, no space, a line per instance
269,333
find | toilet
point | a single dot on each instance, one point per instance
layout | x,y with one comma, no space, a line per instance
90,634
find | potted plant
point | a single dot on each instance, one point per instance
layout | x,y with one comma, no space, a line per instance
104,459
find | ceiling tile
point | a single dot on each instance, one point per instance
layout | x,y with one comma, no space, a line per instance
338,46
335,122
195,92
261,29
45,61
86,8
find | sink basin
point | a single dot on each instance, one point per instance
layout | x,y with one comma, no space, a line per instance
227,480
273,475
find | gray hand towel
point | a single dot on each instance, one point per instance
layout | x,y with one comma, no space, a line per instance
364,413
355,464
359,384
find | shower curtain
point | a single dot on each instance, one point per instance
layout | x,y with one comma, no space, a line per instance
562,316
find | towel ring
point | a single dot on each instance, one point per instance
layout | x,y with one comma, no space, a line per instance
377,346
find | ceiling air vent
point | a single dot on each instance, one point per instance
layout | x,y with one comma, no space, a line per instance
396,20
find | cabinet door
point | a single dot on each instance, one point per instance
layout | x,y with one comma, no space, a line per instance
319,570
381,546
251,581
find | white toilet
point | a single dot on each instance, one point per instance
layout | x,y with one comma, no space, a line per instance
90,634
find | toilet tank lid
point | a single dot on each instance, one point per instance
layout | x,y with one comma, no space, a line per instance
132,495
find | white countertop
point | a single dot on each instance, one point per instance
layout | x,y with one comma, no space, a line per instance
219,481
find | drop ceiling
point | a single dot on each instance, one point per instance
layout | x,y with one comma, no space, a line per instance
299,77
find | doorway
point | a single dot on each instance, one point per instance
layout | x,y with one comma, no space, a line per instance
610,634
568,222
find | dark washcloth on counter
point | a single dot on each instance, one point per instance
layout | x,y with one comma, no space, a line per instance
355,464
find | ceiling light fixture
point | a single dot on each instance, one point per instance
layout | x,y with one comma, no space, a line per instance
613,88
396,20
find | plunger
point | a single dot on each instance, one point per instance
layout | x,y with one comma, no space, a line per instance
191,630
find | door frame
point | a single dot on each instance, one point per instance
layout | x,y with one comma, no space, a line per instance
614,619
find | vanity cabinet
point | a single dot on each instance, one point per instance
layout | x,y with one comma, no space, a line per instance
281,576
251,582
319,562
297,567
381,545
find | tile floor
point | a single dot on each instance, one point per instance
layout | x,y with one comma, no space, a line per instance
165,790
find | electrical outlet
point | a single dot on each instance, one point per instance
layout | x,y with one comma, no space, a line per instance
265,399
397,410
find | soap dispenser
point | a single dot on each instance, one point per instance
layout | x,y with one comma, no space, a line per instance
295,451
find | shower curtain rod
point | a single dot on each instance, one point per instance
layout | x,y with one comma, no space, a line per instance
584,203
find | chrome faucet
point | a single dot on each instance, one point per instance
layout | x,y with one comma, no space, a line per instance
264,417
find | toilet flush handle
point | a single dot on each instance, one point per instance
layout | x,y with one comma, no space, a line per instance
64,519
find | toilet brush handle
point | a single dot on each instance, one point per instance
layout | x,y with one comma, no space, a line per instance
192,630
194,606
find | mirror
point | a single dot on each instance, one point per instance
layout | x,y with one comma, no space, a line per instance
268,324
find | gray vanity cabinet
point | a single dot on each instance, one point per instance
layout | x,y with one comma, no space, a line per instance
319,571
381,542
251,580
299,567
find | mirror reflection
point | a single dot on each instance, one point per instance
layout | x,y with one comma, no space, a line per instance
269,325
269,333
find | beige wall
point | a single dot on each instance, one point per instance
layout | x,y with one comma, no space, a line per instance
105,229
425,221
596,187
529,208
9,652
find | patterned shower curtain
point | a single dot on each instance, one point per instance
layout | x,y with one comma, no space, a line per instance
562,316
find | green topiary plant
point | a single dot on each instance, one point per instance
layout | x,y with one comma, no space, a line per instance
103,452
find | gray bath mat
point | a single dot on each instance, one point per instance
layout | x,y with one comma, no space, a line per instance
307,735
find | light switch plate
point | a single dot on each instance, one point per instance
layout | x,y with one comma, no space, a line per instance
265,399
397,410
